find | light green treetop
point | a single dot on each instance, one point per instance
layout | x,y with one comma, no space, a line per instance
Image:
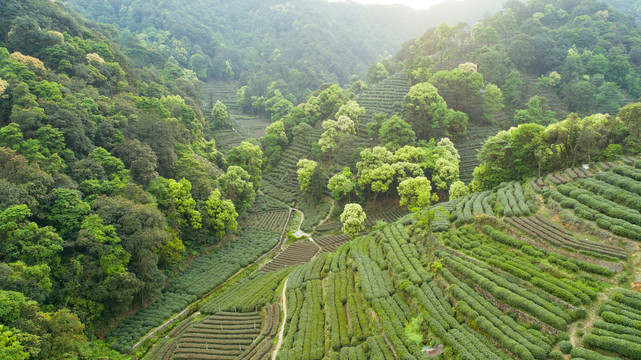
395,133
248,156
334,131
219,115
342,184
222,213
184,203
237,187
306,169
458,190
415,193
353,219
351,109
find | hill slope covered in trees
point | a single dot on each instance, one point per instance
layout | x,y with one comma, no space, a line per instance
106,182
302,43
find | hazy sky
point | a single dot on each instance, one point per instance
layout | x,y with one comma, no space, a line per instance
416,4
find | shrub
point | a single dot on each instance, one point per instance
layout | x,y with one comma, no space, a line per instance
565,346
579,352
619,346
556,355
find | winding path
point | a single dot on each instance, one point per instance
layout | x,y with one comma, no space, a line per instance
186,311
282,326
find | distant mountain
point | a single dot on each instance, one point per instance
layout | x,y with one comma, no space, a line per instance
630,7
303,43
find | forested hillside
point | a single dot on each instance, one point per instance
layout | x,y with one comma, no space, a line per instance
93,223
300,43
628,7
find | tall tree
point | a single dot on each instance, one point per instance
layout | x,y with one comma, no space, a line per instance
25,241
222,214
396,133
335,130
631,117
343,184
428,114
237,187
353,218
249,157
415,193
183,202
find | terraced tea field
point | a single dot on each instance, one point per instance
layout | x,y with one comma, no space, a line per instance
385,97
387,216
202,276
616,330
469,146
244,126
297,253
221,336
540,227
612,199
268,220
553,101
471,206
330,243
282,181
223,92
499,278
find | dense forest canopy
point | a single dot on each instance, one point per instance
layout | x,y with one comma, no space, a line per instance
106,180
302,44
129,195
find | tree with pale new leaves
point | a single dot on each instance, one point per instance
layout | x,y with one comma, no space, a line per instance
448,145
374,157
184,203
445,173
405,170
352,110
236,186
458,189
221,213
310,178
343,184
446,166
3,86
219,116
334,131
378,179
305,171
353,219
415,193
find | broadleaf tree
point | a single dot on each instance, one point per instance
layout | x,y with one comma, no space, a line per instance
353,219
